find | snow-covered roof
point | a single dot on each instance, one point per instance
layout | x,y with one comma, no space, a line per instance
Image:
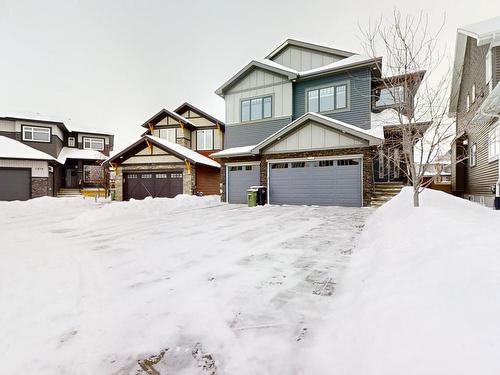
184,151
174,148
337,65
487,31
309,45
349,60
171,114
234,151
12,149
65,123
76,153
489,108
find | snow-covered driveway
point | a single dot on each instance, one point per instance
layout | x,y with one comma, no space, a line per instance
91,289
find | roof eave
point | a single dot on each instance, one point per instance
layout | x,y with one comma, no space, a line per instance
341,69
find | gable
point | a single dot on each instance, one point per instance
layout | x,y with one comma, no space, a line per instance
144,155
302,58
197,118
257,77
314,136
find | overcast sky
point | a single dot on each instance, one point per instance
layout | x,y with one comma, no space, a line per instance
112,64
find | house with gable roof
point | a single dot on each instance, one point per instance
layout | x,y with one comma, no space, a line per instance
299,122
171,156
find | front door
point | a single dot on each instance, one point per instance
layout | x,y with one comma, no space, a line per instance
71,178
388,165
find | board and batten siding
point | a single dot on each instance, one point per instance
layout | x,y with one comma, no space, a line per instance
480,178
301,59
253,133
359,97
259,82
39,168
313,136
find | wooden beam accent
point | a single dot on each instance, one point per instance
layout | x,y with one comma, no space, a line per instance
188,166
218,125
150,146
181,124
151,128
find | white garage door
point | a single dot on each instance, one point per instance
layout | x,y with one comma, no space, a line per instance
321,182
239,179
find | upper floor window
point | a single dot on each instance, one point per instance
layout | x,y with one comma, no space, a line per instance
71,141
36,134
489,70
494,142
390,96
256,109
168,134
205,139
473,92
467,102
327,98
473,155
93,144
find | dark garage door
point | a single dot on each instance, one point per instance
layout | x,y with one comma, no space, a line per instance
239,179
15,184
152,184
322,182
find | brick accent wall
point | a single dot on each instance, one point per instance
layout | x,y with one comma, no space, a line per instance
367,152
39,187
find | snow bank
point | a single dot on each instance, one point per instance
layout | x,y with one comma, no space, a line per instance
421,295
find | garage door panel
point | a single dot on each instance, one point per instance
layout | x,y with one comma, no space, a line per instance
239,179
15,184
329,182
139,185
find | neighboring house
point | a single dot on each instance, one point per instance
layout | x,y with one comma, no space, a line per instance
300,123
43,155
475,102
171,157
438,173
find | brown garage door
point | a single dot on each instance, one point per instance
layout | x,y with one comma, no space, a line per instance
139,185
15,184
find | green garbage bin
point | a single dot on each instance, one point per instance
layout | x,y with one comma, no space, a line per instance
252,197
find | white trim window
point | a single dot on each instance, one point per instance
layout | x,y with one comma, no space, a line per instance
327,99
36,134
96,144
256,108
489,70
169,135
494,142
205,139
473,155
473,92
467,103
71,141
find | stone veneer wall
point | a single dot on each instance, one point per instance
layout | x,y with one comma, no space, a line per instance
39,187
367,152
188,179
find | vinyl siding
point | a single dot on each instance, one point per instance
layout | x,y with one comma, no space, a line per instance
478,179
252,133
259,83
39,168
359,96
300,58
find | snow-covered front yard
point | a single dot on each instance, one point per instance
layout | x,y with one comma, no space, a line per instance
92,289
217,289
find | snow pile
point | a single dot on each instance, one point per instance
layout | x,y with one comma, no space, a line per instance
421,295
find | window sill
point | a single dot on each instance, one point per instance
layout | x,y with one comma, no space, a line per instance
493,159
347,109
30,140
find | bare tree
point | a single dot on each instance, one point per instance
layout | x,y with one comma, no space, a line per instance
411,64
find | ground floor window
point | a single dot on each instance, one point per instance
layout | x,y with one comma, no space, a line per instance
93,174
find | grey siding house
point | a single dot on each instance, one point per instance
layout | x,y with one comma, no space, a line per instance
474,103
42,156
299,123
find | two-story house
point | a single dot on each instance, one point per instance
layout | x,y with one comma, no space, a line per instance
171,156
299,122
43,156
475,103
